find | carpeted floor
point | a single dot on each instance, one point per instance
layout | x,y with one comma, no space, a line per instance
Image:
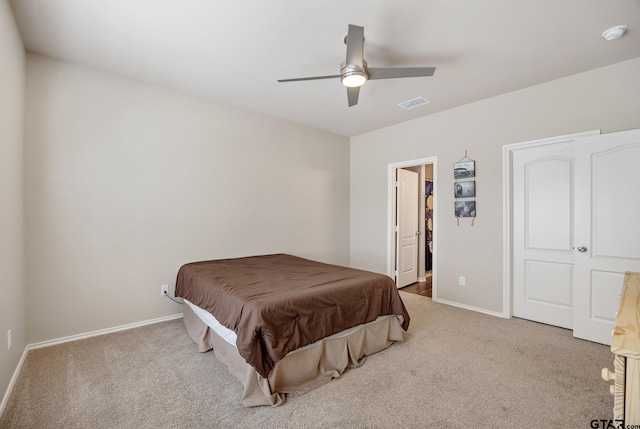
457,369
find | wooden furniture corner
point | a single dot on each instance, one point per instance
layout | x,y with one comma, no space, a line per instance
625,344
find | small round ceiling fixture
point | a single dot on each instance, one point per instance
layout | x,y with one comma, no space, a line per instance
354,79
614,33
352,76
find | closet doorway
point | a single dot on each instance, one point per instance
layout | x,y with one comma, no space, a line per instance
411,220
571,229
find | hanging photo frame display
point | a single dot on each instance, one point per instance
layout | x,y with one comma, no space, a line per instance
464,190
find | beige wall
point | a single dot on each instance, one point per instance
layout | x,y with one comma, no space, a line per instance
125,182
12,287
606,99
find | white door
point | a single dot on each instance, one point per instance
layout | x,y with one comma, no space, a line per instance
407,228
575,231
543,183
607,228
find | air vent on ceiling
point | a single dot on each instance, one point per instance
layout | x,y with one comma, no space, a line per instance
413,103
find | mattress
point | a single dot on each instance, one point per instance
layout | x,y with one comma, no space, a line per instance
230,337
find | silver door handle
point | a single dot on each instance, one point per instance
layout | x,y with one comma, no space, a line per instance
582,249
417,232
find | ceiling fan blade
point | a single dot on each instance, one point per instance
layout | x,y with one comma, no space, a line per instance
298,79
352,95
355,46
399,72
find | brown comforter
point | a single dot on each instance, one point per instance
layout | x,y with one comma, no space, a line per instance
278,303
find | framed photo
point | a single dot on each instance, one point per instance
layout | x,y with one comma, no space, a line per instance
463,170
465,208
464,189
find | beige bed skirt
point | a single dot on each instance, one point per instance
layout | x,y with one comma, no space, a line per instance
302,370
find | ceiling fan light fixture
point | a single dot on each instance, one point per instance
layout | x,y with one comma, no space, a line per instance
354,79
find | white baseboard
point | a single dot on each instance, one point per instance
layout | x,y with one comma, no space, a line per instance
70,338
14,378
102,332
469,307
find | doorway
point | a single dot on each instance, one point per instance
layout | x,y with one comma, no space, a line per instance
413,271
572,230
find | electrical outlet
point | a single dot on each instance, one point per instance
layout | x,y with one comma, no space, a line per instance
462,281
9,339
164,290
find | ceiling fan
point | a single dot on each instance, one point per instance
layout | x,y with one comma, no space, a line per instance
354,71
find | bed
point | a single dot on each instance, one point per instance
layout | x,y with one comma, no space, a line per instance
284,325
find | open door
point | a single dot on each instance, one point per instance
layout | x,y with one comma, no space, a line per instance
407,232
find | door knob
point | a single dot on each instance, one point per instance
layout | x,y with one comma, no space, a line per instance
582,249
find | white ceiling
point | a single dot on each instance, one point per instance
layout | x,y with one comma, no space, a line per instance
234,51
